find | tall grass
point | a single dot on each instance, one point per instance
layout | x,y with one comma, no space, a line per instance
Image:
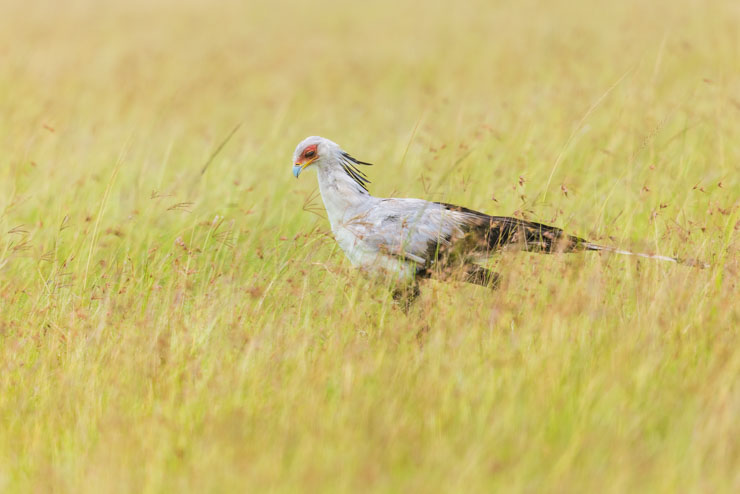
177,317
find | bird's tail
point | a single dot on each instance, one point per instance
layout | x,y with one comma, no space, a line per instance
614,250
493,233
499,232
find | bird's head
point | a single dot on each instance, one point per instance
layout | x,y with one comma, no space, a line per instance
313,150
328,155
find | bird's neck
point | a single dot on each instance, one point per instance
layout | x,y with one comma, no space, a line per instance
342,196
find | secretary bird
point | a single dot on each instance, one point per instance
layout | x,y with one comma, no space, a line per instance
413,238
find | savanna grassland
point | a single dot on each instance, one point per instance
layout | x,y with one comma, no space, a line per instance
175,315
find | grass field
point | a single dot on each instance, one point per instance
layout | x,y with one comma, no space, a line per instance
176,317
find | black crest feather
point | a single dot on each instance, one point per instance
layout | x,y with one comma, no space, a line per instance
349,164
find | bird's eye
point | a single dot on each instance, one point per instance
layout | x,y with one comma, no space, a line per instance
310,153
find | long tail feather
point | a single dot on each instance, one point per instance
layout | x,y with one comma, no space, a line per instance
677,260
493,233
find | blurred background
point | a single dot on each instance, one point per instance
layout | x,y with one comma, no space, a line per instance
515,87
174,317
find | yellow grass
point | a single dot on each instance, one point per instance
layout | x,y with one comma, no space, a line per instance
165,329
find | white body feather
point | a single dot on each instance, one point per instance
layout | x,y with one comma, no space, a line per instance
387,235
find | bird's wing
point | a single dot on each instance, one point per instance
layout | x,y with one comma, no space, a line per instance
491,233
422,231
413,229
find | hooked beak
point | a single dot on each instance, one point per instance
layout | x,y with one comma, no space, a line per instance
298,167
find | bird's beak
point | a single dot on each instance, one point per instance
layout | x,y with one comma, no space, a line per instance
298,167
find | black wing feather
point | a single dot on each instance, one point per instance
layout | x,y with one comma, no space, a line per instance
497,232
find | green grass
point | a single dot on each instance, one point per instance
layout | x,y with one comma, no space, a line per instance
164,330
